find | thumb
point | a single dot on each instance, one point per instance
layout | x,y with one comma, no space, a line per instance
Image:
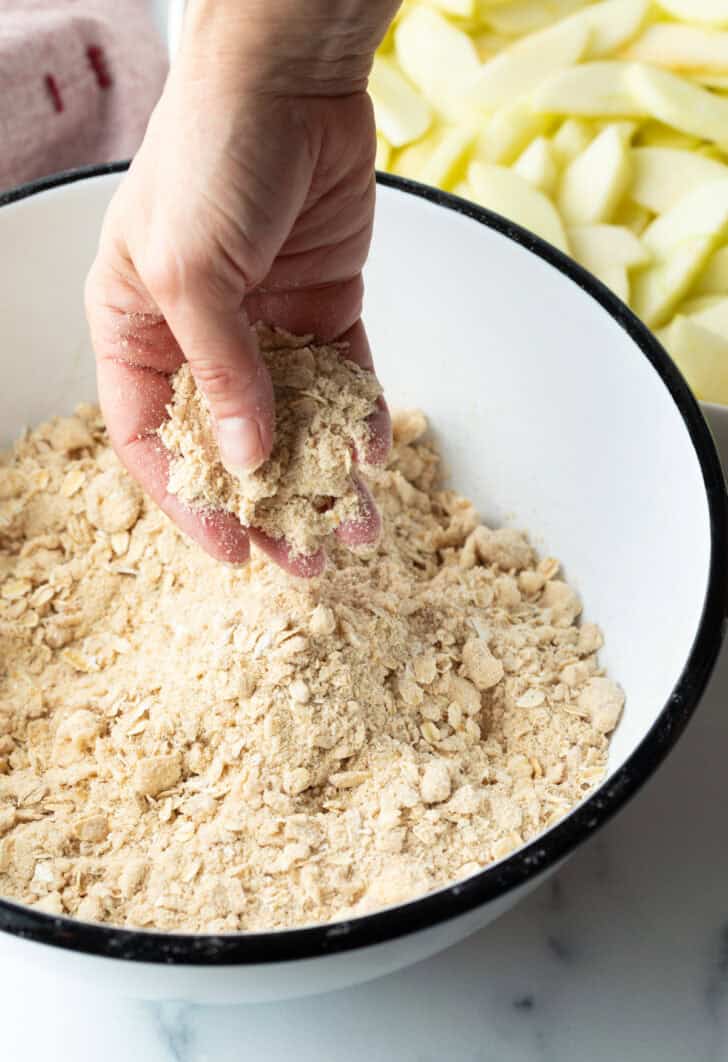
223,354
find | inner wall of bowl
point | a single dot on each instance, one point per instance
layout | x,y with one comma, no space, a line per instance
549,416
552,420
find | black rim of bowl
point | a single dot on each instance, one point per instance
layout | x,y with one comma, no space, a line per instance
536,856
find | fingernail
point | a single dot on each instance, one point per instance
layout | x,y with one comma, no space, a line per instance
240,444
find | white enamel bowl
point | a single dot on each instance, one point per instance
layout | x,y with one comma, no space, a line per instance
556,411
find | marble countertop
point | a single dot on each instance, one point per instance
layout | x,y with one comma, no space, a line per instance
623,956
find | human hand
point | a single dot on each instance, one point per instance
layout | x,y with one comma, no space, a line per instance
251,198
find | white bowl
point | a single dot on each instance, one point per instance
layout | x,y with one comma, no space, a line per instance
557,411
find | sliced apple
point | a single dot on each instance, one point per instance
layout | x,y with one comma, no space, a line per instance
714,317
509,130
463,189
681,48
504,191
703,212
616,278
662,176
459,8
632,216
656,134
488,44
538,165
590,89
438,58
611,24
522,67
440,158
696,304
681,242
384,153
626,127
714,278
524,16
708,12
570,139
598,247
676,101
594,183
701,356
657,290
401,114
711,80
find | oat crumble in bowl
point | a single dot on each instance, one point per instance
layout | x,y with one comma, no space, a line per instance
189,746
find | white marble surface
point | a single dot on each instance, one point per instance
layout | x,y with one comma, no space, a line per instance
622,958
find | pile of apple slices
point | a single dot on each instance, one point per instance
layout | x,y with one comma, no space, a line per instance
601,126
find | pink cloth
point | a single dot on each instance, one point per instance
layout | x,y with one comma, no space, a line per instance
78,81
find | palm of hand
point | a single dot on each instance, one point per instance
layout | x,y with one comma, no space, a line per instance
273,223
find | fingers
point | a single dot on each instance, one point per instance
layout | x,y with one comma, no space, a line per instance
223,354
136,353
379,422
135,400
304,566
331,314
366,529
326,311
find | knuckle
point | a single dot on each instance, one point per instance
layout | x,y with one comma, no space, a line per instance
167,275
215,379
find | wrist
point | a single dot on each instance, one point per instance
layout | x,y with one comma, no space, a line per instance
322,47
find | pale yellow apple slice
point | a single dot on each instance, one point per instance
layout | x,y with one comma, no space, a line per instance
502,190
384,153
612,24
702,212
524,65
681,241
598,247
537,164
438,58
709,12
594,183
662,176
701,356
571,138
676,101
459,8
616,278
714,316
656,134
714,278
517,17
440,158
681,48
590,89
509,130
627,128
658,289
463,189
711,80
401,114
632,216
697,303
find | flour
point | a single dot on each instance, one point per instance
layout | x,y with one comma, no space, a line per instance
185,745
